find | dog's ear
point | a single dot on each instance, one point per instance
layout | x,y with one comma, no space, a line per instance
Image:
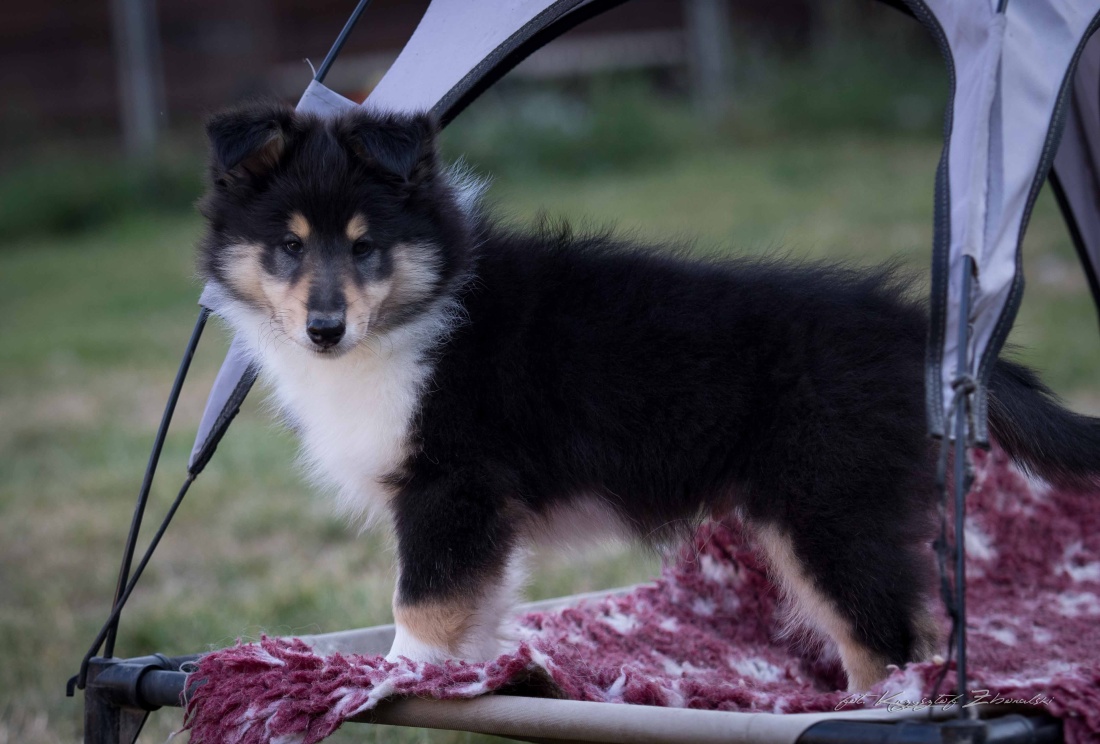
399,145
247,143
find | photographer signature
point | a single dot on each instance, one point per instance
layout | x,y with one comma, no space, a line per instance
893,701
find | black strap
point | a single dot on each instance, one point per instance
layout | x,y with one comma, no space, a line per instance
229,412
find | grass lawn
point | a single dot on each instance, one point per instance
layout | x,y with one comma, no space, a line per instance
95,324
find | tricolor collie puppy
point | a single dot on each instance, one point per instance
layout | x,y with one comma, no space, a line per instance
489,388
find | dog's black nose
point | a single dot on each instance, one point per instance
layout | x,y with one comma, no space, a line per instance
325,330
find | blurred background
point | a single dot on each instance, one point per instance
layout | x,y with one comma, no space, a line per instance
793,127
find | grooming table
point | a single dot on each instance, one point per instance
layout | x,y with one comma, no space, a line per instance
696,655
120,693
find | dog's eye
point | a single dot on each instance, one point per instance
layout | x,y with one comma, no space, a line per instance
362,247
292,246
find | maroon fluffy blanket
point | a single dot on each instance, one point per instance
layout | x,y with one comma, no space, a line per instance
707,634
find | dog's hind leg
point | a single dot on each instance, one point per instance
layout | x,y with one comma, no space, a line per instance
839,487
458,567
864,594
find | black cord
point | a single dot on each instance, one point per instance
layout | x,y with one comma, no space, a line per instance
941,547
963,476
112,621
322,71
150,471
953,596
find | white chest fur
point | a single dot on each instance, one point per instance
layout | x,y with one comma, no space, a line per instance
353,413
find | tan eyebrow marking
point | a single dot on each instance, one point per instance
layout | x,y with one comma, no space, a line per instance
357,227
298,225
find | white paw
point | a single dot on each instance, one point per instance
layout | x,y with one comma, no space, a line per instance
407,645
477,647
486,646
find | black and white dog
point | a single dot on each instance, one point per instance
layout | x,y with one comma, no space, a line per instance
487,388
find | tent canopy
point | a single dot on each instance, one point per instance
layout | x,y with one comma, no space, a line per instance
1015,84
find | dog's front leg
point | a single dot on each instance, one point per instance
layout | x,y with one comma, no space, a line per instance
457,568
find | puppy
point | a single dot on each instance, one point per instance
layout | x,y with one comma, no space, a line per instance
489,388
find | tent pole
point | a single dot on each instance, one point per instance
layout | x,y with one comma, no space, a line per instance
322,71
150,470
963,391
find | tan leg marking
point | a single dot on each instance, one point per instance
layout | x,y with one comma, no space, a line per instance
926,629
812,607
443,625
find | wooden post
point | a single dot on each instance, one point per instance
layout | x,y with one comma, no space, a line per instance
136,42
710,46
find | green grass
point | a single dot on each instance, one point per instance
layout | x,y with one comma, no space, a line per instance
94,324
76,190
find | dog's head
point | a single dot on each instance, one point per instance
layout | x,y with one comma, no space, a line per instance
331,230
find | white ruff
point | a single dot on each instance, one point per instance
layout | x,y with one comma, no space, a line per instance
353,412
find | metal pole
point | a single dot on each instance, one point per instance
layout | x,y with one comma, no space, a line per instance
962,484
322,71
150,471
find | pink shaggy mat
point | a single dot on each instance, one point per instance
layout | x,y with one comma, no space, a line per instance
706,635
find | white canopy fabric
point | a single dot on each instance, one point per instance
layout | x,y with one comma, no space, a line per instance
1012,69
1076,173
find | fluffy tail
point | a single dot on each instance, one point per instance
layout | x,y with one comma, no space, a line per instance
1038,433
